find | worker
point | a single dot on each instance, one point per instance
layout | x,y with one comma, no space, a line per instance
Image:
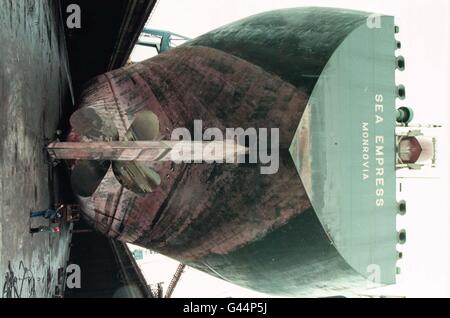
45,229
50,214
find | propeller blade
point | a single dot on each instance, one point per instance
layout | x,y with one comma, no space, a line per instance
136,177
95,125
87,175
145,127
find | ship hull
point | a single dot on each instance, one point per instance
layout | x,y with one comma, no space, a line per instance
258,231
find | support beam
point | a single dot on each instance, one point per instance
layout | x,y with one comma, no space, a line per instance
175,280
148,151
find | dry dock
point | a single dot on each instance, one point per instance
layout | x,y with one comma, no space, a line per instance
33,94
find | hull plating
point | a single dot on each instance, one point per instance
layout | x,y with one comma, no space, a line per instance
259,231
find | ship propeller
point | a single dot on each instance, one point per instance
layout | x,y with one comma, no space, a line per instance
135,176
94,126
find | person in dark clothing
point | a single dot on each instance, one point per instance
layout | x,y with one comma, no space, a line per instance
50,214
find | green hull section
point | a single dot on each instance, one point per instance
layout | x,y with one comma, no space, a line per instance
344,152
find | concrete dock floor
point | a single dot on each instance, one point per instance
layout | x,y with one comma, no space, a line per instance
33,94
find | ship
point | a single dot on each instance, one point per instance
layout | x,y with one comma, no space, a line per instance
325,223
